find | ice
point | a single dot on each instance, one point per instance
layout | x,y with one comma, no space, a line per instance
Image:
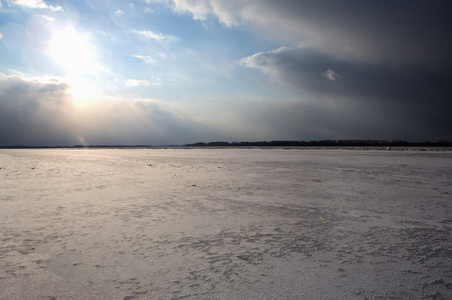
225,224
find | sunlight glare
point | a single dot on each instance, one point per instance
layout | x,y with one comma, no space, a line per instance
73,51
83,91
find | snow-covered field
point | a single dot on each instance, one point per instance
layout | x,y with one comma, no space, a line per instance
225,224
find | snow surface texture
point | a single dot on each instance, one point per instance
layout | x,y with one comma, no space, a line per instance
225,224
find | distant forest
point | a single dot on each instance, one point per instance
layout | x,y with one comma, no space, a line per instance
327,143
321,143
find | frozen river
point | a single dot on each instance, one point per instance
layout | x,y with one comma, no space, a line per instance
225,224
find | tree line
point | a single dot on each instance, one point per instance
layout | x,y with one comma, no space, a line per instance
282,143
326,143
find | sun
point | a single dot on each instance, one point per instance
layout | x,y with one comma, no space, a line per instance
76,55
73,51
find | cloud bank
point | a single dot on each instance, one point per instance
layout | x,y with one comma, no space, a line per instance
34,112
41,112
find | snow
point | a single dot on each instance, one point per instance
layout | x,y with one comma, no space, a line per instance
225,224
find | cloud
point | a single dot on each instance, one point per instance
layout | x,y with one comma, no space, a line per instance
411,94
199,8
157,37
299,67
48,19
413,31
133,82
143,82
146,58
303,69
37,4
312,120
331,75
338,68
119,13
153,4
39,111
139,122
155,1
34,111
393,57
230,13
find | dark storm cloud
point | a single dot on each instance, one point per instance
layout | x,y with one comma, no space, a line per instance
384,64
416,31
309,70
409,94
391,55
312,120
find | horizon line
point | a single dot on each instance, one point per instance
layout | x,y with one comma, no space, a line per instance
273,143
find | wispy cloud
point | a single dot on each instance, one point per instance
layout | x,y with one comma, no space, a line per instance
146,58
48,18
136,82
119,12
37,4
143,82
155,1
158,37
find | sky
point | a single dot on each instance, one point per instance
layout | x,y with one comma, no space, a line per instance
171,72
